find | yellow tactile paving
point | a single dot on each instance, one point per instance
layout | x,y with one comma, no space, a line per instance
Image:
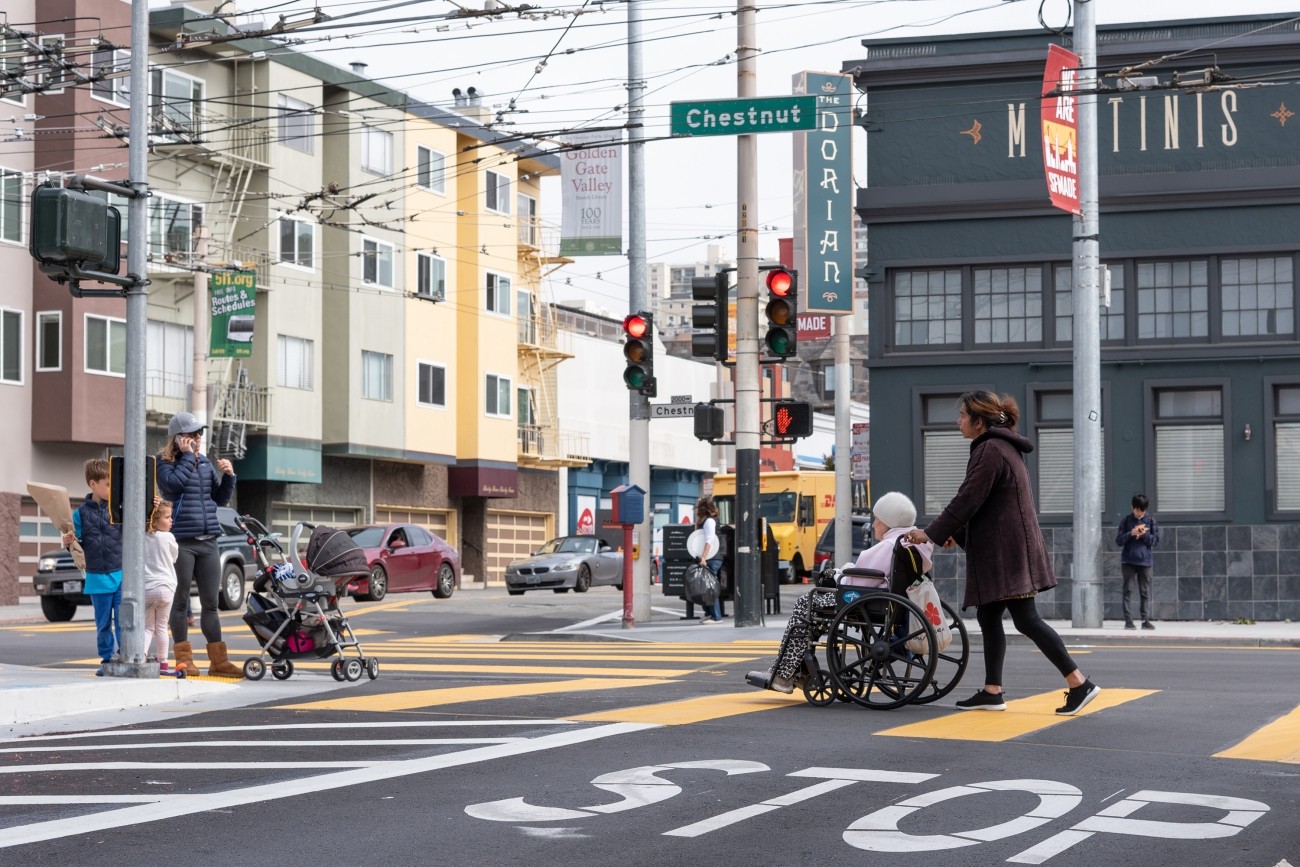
1279,741
426,698
1022,716
693,710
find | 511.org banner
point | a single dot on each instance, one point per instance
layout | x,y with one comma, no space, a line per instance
233,297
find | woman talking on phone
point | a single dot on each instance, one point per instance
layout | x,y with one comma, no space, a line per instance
195,488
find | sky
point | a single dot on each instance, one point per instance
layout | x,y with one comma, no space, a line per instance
563,67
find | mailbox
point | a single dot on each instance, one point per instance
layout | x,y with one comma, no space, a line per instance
629,505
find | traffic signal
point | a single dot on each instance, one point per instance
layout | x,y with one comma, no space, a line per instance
73,229
782,312
709,313
792,419
639,350
708,422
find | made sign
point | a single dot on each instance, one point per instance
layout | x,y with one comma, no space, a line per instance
744,116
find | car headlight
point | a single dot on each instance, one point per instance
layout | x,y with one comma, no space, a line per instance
565,567
45,564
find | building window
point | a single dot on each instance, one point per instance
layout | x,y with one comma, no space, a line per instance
498,294
169,348
498,192
1286,445
297,241
1189,442
376,150
944,451
1054,436
1258,297
1008,305
430,170
177,100
105,345
52,81
1173,301
827,382
1110,324
11,346
432,388
927,308
498,396
49,340
11,206
297,124
377,262
529,231
376,376
13,58
527,406
172,225
295,362
431,276
110,70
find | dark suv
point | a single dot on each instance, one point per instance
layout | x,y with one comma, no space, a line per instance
861,536
59,582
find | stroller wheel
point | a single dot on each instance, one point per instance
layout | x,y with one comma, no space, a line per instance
254,669
353,669
372,668
282,670
336,670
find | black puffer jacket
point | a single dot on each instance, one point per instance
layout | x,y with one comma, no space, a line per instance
195,489
994,519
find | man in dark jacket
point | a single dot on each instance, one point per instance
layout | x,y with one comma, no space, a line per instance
1137,535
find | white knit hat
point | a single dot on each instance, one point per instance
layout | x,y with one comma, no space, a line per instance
895,510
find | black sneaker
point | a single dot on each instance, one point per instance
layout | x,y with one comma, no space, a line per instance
1130,625
1147,624
983,701
1077,698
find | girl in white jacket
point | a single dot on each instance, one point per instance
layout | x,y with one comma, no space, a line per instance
160,550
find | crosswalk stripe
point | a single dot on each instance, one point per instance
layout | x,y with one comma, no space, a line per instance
1022,716
485,670
379,650
693,710
1279,741
426,698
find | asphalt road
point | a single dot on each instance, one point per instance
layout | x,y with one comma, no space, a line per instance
472,750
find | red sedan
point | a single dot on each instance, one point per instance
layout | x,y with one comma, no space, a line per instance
404,557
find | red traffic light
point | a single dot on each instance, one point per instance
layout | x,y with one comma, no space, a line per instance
779,282
635,325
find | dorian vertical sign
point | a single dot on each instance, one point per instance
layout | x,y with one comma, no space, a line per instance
823,196
591,179
1061,129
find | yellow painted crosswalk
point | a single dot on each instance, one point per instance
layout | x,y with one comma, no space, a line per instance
1279,741
1023,716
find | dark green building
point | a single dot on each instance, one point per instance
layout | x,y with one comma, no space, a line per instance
969,275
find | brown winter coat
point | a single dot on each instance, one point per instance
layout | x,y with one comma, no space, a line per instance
994,519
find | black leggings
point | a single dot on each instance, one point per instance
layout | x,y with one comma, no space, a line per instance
1024,614
200,561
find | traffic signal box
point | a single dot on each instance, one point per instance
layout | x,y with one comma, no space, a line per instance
782,311
639,350
709,313
792,419
74,228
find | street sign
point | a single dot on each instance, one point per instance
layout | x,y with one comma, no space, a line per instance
744,116
672,410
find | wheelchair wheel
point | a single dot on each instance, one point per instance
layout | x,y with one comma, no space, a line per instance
819,691
866,654
950,664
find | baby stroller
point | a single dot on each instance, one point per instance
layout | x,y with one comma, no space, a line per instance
293,609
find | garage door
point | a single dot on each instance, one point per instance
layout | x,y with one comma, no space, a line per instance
439,521
512,536
285,515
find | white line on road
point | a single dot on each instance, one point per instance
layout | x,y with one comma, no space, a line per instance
159,745
281,727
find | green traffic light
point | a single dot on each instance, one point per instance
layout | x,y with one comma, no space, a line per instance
634,376
778,342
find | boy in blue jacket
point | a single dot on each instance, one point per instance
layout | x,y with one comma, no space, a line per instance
102,541
1137,535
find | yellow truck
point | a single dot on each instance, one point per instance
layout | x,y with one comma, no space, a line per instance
797,505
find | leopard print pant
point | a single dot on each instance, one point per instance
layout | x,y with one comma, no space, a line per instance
798,636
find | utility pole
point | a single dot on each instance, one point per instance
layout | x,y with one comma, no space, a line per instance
749,582
638,404
843,442
137,310
202,322
1085,609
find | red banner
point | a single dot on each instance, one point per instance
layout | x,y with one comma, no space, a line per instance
1061,129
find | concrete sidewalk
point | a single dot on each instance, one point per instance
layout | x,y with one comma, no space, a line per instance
37,700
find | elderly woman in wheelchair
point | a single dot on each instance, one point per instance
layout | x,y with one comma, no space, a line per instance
881,649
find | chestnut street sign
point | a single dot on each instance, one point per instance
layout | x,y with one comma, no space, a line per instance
744,116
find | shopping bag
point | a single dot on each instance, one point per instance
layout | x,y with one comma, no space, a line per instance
925,597
701,585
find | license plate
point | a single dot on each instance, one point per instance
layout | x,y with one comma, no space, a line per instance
531,579
71,586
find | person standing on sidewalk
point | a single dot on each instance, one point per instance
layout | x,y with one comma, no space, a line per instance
101,539
195,488
993,518
1137,535
706,519
160,552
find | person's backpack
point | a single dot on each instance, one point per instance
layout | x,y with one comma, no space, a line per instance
701,585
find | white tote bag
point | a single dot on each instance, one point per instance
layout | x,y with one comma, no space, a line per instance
925,597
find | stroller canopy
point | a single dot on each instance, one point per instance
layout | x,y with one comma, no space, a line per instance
333,552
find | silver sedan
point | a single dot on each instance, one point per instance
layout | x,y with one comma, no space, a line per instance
568,562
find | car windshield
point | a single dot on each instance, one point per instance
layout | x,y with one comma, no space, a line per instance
570,545
366,537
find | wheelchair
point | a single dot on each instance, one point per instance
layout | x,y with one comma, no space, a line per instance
862,632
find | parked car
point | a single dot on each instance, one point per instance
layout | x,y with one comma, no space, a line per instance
862,538
404,557
567,563
60,583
